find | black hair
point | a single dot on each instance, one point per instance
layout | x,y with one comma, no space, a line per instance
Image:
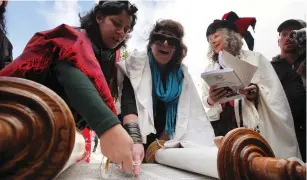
2,18
106,8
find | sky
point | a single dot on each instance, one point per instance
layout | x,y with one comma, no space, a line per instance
25,18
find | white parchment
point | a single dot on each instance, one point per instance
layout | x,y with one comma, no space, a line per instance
90,171
197,160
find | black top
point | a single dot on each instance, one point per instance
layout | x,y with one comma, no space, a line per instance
227,121
294,89
128,106
6,48
106,58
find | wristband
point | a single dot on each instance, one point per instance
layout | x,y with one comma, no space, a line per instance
133,130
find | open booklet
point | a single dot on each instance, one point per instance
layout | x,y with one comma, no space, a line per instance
234,75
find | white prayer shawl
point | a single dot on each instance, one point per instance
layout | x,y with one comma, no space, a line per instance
193,128
273,115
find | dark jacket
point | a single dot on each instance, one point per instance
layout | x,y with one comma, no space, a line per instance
296,95
128,106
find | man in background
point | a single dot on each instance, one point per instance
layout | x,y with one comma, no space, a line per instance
289,71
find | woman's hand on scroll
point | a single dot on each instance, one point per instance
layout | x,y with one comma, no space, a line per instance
117,145
138,156
215,94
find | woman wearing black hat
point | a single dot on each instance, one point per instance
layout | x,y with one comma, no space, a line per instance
265,107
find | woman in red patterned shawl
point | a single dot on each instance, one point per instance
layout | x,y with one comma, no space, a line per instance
79,65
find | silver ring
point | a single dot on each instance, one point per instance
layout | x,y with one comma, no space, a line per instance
253,91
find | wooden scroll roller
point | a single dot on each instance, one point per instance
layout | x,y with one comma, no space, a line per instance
37,131
152,149
245,154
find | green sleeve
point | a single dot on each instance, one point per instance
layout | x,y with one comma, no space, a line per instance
84,98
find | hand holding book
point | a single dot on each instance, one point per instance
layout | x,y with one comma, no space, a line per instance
225,83
215,94
251,93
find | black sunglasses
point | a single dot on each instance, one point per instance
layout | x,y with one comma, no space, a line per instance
131,8
158,38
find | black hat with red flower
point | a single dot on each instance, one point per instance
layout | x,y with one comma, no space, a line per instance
233,22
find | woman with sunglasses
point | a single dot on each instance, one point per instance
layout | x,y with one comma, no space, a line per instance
159,99
79,65
6,48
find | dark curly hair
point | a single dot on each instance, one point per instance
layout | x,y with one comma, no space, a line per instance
90,25
106,8
2,19
178,30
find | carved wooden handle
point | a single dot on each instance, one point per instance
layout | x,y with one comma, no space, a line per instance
279,169
37,130
245,154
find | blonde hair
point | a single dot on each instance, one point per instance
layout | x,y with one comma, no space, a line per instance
232,42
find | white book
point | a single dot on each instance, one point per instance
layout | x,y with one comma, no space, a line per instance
235,75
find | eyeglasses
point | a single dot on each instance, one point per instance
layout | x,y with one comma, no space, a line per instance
131,8
284,34
159,39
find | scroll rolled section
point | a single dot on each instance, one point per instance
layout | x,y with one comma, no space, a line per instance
37,130
152,149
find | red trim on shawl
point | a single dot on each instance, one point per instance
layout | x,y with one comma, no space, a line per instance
232,104
117,55
66,43
88,145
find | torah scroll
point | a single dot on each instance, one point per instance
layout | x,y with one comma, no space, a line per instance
39,141
242,154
